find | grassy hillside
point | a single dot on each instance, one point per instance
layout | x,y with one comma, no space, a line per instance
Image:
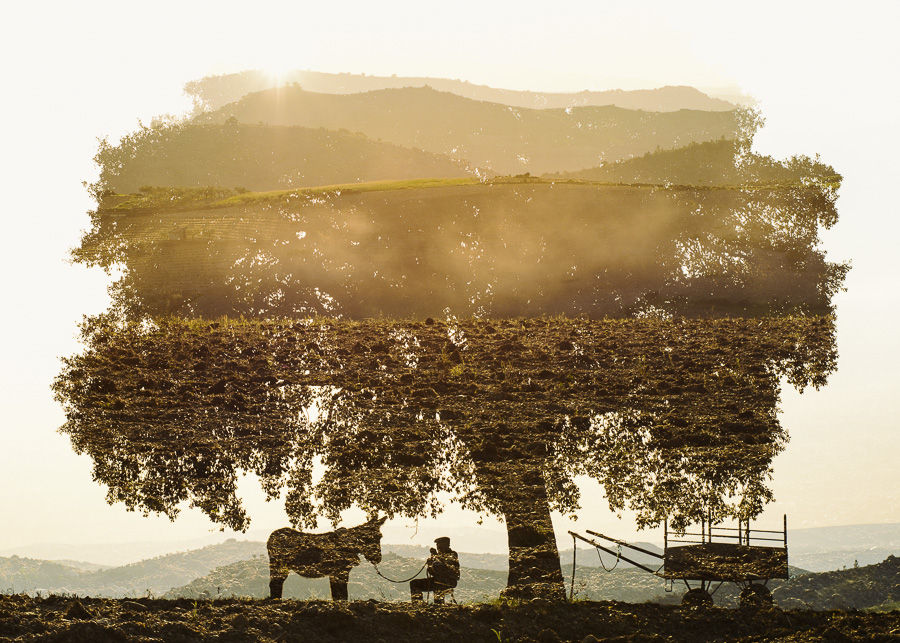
854,588
586,557
251,578
865,587
508,140
153,575
240,568
212,92
475,248
157,575
27,575
259,157
722,162
830,548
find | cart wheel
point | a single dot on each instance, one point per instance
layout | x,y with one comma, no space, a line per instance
697,597
756,595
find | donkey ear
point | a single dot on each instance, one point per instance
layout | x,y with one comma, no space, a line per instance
380,521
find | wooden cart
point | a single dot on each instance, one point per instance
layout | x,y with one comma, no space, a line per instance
715,555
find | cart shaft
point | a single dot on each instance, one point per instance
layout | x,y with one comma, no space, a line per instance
614,553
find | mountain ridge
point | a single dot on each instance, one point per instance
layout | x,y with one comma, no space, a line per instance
508,140
180,569
862,587
212,92
260,157
722,162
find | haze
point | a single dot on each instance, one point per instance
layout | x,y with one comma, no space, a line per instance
85,71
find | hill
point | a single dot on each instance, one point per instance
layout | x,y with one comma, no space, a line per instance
585,557
864,587
831,548
153,576
240,568
251,579
508,140
27,575
723,162
815,549
495,562
856,588
212,92
259,157
93,556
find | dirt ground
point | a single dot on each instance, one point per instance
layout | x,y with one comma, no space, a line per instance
57,618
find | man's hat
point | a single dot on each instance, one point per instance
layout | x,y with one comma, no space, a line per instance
443,540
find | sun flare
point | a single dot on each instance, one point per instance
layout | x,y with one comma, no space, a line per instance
278,72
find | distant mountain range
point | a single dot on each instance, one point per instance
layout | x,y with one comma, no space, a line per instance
213,92
505,139
240,569
90,556
821,549
262,157
815,549
326,129
853,588
710,163
153,575
251,578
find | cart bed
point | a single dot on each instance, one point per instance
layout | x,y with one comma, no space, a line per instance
728,562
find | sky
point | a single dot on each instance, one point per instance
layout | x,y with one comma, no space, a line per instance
823,73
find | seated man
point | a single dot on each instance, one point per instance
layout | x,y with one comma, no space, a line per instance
443,573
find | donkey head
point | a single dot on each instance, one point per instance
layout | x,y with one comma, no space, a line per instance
371,546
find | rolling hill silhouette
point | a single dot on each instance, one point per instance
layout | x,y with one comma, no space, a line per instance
212,92
240,568
260,157
722,162
508,140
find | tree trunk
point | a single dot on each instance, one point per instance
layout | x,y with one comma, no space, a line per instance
534,568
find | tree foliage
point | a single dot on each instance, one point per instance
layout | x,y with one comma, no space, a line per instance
636,334
676,418
483,249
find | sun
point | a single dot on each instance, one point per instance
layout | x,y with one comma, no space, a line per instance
278,72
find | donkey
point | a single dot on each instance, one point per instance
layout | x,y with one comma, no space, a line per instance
332,554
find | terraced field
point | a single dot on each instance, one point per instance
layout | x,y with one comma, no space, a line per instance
503,248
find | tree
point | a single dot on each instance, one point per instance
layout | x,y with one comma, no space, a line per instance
635,334
476,248
676,418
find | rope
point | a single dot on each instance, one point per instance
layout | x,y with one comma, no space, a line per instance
572,587
618,558
378,571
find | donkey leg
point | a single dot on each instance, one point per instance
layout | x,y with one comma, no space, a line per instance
278,548
339,586
277,575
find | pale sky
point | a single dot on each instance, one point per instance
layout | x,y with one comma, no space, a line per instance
824,74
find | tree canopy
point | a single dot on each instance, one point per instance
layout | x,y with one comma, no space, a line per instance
490,339
676,418
236,390
504,248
